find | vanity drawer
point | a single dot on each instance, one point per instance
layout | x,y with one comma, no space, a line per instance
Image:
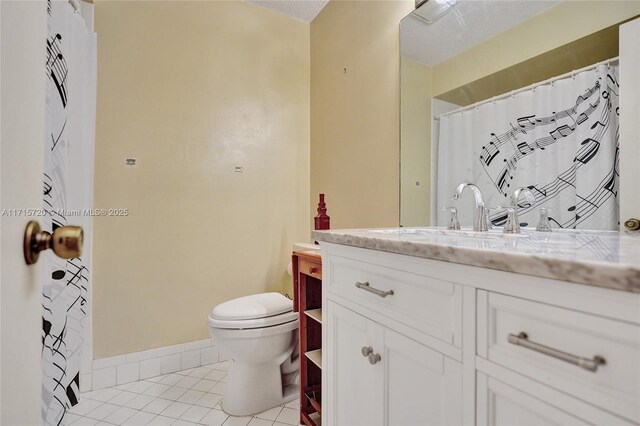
309,268
553,333
427,304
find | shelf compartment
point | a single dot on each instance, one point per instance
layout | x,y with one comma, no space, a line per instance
315,314
312,419
315,357
313,395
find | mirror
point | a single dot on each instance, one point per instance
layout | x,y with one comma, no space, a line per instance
479,50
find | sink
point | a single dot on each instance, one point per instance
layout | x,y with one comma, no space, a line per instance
440,231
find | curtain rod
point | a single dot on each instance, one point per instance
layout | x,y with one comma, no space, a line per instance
532,86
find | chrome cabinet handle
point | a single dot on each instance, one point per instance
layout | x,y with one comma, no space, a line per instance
374,358
590,364
367,350
367,287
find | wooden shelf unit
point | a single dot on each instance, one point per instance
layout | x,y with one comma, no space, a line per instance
307,289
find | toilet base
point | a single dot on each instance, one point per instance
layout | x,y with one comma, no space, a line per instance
254,388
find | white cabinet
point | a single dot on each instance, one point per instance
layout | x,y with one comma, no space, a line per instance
502,405
442,333
354,398
401,382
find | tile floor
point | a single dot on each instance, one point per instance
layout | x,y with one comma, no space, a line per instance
189,397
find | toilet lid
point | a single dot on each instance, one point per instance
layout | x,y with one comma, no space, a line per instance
252,307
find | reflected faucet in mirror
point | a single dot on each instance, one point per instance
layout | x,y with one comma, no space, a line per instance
480,222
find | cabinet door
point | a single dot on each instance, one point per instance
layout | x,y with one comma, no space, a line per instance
501,404
421,386
353,384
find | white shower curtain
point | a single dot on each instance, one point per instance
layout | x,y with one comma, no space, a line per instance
560,140
67,190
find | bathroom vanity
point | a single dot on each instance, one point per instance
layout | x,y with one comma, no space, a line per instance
428,326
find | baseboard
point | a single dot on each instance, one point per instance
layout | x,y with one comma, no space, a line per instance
136,366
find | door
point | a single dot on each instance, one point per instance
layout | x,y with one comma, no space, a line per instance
22,54
421,386
355,393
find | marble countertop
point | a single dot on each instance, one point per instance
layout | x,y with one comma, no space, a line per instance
607,259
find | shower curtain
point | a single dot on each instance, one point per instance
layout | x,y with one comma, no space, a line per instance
67,192
560,140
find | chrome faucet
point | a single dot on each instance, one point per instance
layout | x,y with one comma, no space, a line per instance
512,225
480,222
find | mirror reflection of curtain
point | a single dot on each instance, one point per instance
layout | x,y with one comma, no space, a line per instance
560,140
67,189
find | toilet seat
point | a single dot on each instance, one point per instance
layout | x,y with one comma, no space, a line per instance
253,323
255,311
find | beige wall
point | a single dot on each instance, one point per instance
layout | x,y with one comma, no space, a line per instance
193,89
562,24
355,114
415,152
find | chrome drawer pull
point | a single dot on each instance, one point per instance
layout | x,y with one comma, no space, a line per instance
367,287
588,364
367,350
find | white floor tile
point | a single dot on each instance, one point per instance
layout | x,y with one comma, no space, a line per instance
191,396
154,378
214,418
237,421
289,416
260,422
195,413
141,386
70,417
171,379
175,410
295,404
102,411
162,421
85,421
223,366
157,406
209,400
157,389
124,386
270,414
181,422
219,388
187,382
85,407
224,379
204,385
173,393
120,415
139,401
216,375
122,398
200,372
106,394
139,419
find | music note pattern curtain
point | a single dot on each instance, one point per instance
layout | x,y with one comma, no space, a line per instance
560,140
67,188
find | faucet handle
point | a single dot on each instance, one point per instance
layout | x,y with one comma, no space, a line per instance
453,223
512,225
544,225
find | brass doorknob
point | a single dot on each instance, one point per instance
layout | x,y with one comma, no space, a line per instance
66,242
632,224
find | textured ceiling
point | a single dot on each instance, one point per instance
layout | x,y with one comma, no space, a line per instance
469,23
304,10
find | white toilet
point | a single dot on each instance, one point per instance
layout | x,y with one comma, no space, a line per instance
259,334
